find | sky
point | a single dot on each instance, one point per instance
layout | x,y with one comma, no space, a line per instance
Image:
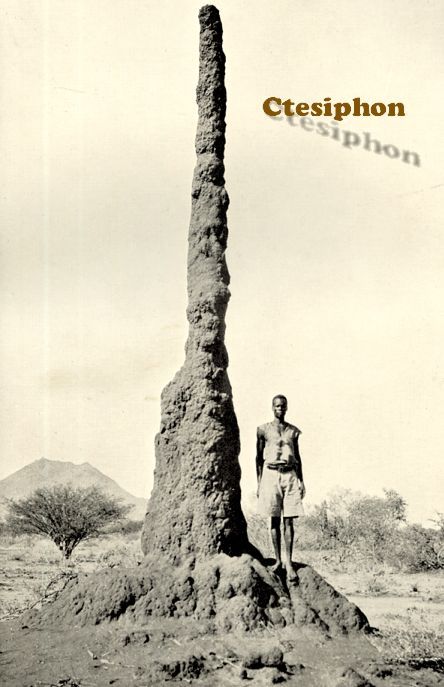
336,254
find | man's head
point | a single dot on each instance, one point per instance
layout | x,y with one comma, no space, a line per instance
279,405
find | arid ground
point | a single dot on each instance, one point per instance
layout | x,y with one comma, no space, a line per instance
407,609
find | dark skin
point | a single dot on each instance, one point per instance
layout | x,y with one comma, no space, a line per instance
279,410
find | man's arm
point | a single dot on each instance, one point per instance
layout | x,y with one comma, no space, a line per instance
298,464
260,444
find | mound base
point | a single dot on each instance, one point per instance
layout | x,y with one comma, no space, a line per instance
229,593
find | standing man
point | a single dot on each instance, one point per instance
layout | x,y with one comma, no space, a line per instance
280,482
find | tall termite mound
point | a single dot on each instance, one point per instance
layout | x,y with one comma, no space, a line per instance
198,561
194,509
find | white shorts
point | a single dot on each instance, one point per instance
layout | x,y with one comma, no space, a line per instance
279,494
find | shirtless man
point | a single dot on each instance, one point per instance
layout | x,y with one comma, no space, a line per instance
280,483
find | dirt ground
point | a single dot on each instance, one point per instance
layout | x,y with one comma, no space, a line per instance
407,650
157,654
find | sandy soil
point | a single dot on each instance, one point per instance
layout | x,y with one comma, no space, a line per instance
405,652
159,654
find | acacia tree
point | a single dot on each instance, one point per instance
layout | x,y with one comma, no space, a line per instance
65,514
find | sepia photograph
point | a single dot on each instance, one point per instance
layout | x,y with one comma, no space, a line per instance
222,369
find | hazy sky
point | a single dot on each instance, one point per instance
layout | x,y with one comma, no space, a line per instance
336,255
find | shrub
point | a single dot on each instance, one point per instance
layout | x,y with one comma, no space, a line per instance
415,549
65,514
355,524
126,527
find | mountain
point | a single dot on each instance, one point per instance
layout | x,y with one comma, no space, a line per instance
46,473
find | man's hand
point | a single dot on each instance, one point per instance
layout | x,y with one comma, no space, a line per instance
301,488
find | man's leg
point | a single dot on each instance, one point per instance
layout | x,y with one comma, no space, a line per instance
288,539
270,505
276,540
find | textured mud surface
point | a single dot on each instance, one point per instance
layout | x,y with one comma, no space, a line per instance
194,510
172,652
231,594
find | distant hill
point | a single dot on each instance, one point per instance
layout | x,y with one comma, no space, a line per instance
46,473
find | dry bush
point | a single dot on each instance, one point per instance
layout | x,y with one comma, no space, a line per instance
126,555
65,514
409,640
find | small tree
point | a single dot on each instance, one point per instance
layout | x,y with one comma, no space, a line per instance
65,514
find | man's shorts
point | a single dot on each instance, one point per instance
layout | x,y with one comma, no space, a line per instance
279,494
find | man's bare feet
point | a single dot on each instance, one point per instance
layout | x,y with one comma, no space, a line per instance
276,567
291,573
